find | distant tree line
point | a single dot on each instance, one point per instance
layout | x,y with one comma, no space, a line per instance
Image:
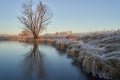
64,32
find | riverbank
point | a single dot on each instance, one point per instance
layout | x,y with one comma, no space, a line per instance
97,53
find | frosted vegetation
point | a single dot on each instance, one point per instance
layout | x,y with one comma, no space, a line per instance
97,53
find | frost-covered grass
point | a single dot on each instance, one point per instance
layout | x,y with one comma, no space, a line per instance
98,53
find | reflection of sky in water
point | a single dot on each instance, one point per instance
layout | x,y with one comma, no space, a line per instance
23,61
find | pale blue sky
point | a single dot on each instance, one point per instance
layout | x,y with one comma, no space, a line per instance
74,15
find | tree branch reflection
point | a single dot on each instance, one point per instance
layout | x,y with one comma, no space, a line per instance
33,64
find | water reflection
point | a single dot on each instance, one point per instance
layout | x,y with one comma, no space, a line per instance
33,64
41,62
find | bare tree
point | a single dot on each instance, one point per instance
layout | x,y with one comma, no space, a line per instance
35,18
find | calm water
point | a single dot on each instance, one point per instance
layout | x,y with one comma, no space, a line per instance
22,61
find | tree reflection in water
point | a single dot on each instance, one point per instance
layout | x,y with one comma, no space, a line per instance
33,64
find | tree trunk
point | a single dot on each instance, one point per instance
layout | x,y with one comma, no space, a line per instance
35,36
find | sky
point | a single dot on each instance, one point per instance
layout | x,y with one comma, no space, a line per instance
68,15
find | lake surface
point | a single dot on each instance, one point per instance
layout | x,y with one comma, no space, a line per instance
22,61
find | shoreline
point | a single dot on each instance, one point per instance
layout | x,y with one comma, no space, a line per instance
98,54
